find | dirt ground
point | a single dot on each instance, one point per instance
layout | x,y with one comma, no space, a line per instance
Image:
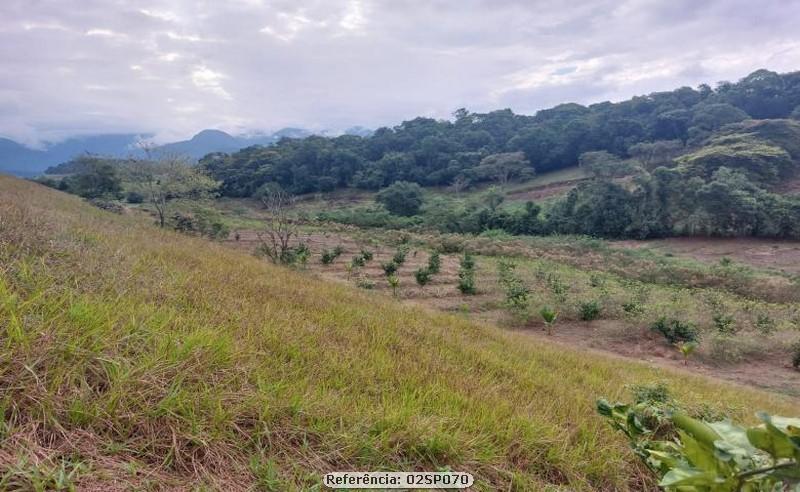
776,255
618,338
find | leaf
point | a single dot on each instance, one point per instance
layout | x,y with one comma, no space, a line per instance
687,476
696,428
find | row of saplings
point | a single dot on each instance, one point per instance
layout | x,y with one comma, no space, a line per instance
682,335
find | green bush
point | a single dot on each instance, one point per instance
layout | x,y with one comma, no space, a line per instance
400,256
675,330
367,254
389,268
328,256
725,324
590,310
423,276
134,197
434,263
796,355
466,275
358,261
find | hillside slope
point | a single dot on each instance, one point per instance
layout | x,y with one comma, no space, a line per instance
136,358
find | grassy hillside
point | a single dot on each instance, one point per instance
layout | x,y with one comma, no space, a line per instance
136,358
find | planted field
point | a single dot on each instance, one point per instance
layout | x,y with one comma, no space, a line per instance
134,358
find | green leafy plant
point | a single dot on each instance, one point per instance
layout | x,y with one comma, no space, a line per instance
302,253
725,324
389,268
434,263
590,310
466,275
558,287
328,256
764,324
394,283
549,317
699,456
675,330
400,256
358,261
367,254
516,292
686,349
423,276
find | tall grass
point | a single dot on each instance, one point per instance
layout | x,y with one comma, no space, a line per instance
132,357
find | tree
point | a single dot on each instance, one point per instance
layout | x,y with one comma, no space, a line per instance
504,167
167,179
401,198
96,178
279,229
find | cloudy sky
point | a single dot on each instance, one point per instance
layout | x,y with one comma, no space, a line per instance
174,67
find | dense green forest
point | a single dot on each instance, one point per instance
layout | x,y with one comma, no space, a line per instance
705,161
438,152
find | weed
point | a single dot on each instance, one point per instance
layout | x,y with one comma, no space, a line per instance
434,263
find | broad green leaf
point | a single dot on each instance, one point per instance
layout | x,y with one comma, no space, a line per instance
696,428
686,476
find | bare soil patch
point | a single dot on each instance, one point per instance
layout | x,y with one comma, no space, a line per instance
775,255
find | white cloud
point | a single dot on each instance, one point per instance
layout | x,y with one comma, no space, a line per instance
264,64
208,80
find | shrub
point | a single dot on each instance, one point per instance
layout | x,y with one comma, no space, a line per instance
434,263
466,275
590,310
517,293
726,324
389,268
134,197
367,254
302,253
675,330
400,256
764,324
686,349
329,256
358,261
796,355
423,276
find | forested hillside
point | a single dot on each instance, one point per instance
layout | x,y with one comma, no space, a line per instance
439,152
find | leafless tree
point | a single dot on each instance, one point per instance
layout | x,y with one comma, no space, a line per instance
279,229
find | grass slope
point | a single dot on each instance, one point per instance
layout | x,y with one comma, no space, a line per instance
136,358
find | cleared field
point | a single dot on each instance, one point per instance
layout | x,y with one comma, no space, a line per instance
134,358
755,352
778,256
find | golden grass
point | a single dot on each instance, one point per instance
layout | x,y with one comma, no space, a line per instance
137,358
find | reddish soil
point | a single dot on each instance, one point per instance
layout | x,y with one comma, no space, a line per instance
783,256
613,337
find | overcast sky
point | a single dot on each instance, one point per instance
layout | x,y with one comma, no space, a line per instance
174,67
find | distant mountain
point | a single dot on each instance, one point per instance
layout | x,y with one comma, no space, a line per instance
203,143
20,160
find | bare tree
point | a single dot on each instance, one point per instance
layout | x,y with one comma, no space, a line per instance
279,229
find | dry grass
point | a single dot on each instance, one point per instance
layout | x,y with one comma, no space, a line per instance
136,358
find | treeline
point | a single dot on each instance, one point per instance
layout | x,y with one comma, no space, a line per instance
500,145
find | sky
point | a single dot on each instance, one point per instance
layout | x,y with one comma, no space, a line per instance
174,67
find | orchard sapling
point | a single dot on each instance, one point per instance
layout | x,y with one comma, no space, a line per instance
549,317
